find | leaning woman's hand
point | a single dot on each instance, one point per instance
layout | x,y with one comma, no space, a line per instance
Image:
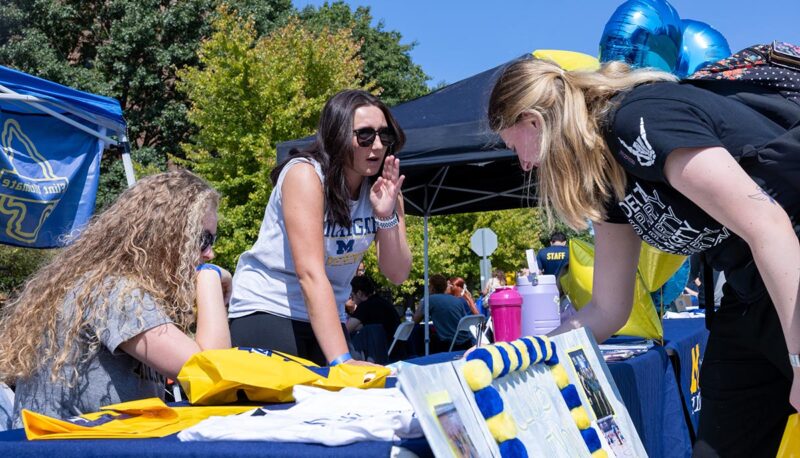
358,362
383,195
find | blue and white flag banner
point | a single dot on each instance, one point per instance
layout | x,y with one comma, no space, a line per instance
49,172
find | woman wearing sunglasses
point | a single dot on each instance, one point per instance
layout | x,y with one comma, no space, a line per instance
107,319
328,204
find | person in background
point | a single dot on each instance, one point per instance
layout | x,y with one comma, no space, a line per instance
445,312
554,257
350,305
107,319
458,288
371,308
328,204
646,157
498,279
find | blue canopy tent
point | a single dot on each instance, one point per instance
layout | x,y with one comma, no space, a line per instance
51,141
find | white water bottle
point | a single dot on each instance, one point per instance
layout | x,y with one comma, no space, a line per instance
409,315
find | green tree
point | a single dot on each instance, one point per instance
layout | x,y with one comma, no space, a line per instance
449,249
126,49
387,62
249,94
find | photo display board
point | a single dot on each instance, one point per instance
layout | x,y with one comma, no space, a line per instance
558,400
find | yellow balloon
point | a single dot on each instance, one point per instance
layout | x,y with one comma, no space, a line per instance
655,268
568,60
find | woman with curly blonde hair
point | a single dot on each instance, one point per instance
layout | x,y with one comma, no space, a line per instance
687,170
108,317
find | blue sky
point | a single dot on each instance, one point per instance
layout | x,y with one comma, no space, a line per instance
456,39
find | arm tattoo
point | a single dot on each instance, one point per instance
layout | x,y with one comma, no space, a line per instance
761,195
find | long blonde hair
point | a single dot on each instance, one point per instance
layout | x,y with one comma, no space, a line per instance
149,239
577,173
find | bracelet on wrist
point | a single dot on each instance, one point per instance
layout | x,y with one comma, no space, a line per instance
344,357
387,223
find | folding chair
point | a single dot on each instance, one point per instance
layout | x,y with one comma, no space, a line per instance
465,325
403,332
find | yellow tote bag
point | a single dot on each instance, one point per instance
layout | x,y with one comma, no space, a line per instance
218,376
128,420
790,445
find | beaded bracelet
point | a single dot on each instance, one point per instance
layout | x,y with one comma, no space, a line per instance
387,223
487,363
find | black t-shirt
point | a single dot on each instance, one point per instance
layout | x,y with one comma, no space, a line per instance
376,310
653,120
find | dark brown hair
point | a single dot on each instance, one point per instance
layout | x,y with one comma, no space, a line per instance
333,148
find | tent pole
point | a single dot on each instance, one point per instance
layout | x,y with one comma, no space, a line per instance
425,282
127,164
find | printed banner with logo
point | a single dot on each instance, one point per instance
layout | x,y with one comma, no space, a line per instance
49,172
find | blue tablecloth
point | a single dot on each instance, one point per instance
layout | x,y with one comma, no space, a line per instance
686,345
646,383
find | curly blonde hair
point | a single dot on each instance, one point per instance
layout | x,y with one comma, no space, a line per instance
149,239
578,173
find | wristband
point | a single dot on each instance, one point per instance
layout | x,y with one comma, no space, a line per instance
387,223
344,357
794,360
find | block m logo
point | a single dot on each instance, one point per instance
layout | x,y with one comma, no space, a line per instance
344,247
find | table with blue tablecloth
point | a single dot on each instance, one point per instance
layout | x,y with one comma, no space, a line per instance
646,383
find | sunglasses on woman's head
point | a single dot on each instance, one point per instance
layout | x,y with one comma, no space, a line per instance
207,240
366,136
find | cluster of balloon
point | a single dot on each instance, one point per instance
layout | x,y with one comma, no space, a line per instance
650,33
643,33
701,45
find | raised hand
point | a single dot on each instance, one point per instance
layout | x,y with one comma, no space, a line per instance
383,194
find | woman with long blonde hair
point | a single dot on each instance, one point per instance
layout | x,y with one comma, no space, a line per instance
687,170
108,317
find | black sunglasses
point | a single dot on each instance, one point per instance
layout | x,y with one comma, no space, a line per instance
366,136
207,240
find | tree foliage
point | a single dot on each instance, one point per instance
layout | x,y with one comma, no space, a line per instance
387,62
249,94
449,251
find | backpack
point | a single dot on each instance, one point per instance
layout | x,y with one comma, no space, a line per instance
759,78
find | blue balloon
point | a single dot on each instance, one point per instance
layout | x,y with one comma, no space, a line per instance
643,33
701,45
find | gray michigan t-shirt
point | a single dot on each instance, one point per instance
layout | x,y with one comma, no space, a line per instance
108,377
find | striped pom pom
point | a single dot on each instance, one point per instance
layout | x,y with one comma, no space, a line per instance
513,357
513,448
525,356
530,345
548,349
477,375
592,440
571,396
580,417
489,401
497,360
506,362
553,359
484,355
560,376
502,427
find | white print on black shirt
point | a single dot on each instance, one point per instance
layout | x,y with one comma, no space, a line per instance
641,148
655,222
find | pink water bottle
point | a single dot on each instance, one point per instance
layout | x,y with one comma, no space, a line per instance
540,304
506,304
